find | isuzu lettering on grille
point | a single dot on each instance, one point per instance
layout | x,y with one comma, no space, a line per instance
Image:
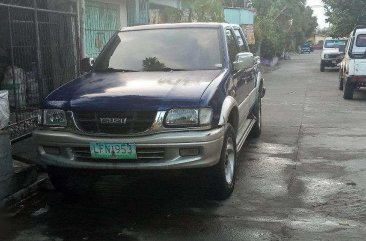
121,121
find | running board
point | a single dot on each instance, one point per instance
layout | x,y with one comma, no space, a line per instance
240,140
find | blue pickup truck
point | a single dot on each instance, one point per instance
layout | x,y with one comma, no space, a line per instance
158,97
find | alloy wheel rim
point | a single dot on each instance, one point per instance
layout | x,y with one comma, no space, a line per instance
229,161
260,115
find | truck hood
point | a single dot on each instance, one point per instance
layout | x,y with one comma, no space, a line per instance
138,91
331,51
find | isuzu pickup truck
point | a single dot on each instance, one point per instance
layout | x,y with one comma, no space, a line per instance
158,97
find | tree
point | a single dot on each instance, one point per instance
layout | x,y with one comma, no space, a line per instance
343,15
197,11
282,24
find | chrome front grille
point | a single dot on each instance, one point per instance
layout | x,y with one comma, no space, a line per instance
333,56
143,154
129,122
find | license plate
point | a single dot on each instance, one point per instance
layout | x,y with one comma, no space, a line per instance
334,61
112,151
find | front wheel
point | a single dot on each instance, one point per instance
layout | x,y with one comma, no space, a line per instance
322,67
347,90
222,176
340,86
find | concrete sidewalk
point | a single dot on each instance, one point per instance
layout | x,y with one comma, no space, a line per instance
17,178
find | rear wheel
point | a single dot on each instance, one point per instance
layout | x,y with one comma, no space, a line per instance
70,181
347,90
257,112
222,176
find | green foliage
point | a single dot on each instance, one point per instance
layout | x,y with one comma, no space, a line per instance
197,11
153,64
343,15
208,11
172,15
282,24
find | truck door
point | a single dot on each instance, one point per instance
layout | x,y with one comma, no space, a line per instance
239,76
250,73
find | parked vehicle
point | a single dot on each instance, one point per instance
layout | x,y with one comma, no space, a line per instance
159,97
306,48
352,73
317,46
331,55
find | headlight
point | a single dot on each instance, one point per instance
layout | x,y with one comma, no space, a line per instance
188,117
54,117
326,56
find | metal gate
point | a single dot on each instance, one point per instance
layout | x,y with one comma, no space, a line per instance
38,53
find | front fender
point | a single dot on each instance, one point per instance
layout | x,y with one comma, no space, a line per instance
227,106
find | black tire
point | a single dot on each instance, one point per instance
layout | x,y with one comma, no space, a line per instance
219,188
340,86
347,90
70,181
322,67
257,112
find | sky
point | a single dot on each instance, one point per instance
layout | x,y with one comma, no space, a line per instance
317,6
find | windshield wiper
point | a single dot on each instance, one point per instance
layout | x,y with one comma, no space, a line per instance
114,70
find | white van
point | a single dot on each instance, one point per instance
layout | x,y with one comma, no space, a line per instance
352,74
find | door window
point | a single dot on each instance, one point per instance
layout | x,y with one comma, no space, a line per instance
242,43
232,45
361,40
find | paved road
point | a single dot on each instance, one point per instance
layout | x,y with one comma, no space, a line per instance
304,179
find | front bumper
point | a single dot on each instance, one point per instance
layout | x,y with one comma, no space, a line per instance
209,143
331,62
357,81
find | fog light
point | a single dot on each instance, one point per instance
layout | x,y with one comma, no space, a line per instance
189,151
52,150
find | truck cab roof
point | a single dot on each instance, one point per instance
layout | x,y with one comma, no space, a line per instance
178,25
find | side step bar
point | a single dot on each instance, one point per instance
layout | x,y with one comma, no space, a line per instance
240,140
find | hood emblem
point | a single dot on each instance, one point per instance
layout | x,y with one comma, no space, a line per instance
120,121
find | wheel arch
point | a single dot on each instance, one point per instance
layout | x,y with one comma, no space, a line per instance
229,112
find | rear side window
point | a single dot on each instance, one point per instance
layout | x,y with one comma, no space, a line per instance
361,40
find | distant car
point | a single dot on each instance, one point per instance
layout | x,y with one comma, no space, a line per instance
352,72
305,49
331,55
317,46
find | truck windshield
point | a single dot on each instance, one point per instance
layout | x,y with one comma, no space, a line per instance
334,43
162,50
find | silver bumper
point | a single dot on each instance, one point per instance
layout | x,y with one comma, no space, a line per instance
209,144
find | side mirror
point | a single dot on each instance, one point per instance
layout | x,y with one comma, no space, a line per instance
87,64
243,60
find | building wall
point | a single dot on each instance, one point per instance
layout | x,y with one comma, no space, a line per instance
169,3
239,16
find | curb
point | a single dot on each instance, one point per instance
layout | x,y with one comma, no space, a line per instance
24,193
